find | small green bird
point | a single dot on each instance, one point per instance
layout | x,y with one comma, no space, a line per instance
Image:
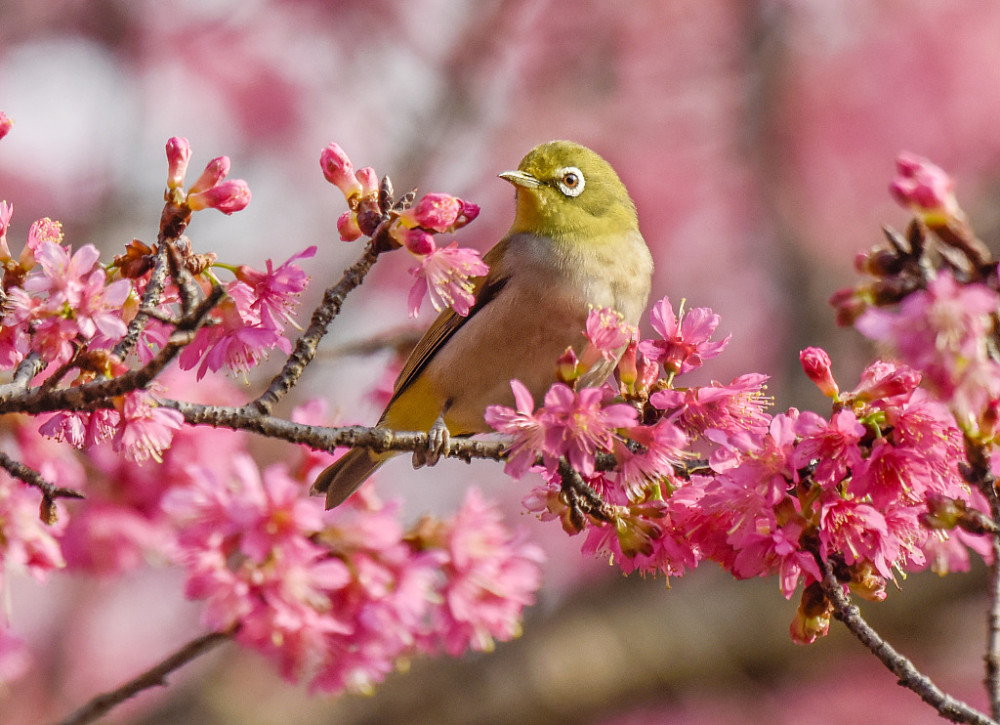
574,243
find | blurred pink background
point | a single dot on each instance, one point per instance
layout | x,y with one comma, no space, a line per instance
757,139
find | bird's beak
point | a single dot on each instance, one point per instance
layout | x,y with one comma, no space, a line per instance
520,178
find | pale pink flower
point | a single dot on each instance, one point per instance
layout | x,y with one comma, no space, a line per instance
276,291
446,274
607,333
686,343
145,428
369,182
490,577
27,544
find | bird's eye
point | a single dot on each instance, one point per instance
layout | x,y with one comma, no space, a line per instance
570,181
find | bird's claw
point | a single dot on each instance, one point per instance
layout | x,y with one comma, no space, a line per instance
438,445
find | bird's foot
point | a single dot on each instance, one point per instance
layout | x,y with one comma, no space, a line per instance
438,445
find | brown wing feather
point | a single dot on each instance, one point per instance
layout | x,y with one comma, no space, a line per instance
447,323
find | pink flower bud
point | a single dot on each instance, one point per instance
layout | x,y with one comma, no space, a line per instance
369,182
6,123
818,368
178,156
216,170
347,225
339,171
417,241
628,368
468,214
228,197
434,211
567,366
923,187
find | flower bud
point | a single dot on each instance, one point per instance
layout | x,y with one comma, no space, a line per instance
567,366
628,370
178,156
924,188
435,211
818,368
216,170
339,171
228,197
812,619
347,225
369,182
417,241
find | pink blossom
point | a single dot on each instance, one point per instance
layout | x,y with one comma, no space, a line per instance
27,544
339,171
439,212
145,429
607,333
81,429
178,157
6,211
239,341
276,290
662,447
857,531
578,425
737,406
446,275
891,475
369,182
885,382
520,422
923,187
832,446
686,343
490,577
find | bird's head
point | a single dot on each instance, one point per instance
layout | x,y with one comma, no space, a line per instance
566,190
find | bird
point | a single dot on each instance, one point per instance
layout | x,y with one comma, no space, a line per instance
574,245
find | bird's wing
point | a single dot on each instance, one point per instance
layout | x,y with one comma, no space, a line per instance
448,322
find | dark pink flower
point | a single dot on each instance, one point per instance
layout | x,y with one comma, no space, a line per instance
858,532
686,343
832,446
578,425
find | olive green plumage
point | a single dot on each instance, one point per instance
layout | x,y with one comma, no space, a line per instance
574,243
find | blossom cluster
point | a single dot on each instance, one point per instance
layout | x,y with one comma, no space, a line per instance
445,274
339,597
774,494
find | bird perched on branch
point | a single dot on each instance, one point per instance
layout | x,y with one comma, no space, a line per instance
574,244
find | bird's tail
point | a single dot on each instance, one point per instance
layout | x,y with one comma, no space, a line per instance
345,475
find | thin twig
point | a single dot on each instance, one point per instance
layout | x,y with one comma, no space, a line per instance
34,478
323,315
154,677
150,298
909,676
323,438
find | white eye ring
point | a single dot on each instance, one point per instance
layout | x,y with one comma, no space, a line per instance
570,181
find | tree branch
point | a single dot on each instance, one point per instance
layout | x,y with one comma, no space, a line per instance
306,345
153,677
909,676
